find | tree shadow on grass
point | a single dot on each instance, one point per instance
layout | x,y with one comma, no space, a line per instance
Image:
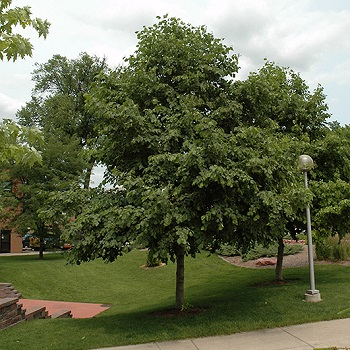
225,303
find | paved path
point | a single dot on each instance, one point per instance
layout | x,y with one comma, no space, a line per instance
300,337
28,252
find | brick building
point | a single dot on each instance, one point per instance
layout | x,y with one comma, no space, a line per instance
10,239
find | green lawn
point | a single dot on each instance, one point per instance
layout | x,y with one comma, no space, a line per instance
233,299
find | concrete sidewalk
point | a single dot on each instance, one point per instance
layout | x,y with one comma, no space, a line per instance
300,337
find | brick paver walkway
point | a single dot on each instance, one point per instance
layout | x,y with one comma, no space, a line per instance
79,310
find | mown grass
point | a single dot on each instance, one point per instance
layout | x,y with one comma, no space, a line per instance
232,299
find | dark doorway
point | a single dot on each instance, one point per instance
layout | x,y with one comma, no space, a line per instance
5,241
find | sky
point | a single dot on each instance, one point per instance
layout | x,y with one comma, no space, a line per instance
312,37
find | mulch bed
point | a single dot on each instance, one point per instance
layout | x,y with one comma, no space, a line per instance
296,260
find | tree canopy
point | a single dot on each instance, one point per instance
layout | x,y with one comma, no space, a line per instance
61,165
57,106
279,94
14,45
19,144
331,183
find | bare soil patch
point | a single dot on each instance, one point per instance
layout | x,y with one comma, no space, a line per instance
145,267
170,313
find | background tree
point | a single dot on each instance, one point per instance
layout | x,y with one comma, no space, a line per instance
17,144
58,104
13,45
330,183
61,165
279,95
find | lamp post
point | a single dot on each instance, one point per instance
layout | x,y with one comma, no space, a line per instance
312,295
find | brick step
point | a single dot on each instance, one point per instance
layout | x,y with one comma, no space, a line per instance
62,314
10,321
11,313
36,313
5,285
7,291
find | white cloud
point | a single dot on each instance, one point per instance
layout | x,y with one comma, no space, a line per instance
337,74
8,107
310,36
97,175
286,32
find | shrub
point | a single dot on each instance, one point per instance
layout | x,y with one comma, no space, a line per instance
333,249
151,260
259,251
228,250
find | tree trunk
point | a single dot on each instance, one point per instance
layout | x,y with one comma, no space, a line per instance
180,277
41,248
279,265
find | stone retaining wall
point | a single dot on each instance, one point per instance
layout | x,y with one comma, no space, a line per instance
11,312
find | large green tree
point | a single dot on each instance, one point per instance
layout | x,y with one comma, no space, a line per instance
191,174
57,106
170,102
14,45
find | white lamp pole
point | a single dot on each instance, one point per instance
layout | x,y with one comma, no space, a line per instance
312,295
